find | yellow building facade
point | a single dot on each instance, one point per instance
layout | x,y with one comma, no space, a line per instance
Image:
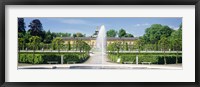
92,41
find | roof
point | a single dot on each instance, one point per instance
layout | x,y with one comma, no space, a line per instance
92,38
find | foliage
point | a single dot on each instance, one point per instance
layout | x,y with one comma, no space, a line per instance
21,43
75,58
36,28
79,35
44,58
116,46
56,43
111,33
153,34
122,33
68,45
83,46
48,37
129,35
29,58
153,58
61,34
139,44
34,42
21,26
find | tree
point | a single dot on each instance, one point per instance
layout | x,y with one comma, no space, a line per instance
153,34
122,33
68,34
110,47
21,26
176,41
34,43
87,47
57,43
164,45
79,35
111,33
48,37
139,44
36,28
20,43
41,46
69,45
117,45
126,47
74,35
129,35
80,45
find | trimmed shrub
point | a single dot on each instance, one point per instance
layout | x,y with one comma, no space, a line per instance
75,58
153,58
148,58
44,58
70,58
128,58
51,57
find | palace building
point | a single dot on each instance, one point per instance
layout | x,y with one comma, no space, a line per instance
92,39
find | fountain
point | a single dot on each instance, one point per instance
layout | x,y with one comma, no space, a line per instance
101,42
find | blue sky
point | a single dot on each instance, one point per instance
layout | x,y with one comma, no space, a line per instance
135,26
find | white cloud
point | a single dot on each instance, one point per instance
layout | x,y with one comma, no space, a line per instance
145,24
75,21
137,25
175,28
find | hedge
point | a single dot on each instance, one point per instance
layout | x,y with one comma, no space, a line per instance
75,58
44,58
154,59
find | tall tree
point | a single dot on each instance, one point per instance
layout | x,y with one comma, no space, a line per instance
20,43
57,43
139,44
86,47
80,45
126,47
176,41
68,46
129,35
111,33
34,42
48,37
21,30
74,35
164,45
122,33
117,45
21,26
36,28
79,35
153,34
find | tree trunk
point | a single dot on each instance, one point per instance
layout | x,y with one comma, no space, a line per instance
165,58
33,54
117,52
177,57
18,55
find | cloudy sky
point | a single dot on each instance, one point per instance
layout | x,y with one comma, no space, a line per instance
135,26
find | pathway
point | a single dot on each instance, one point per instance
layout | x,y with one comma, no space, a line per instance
96,58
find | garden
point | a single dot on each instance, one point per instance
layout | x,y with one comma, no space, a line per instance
154,58
44,58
